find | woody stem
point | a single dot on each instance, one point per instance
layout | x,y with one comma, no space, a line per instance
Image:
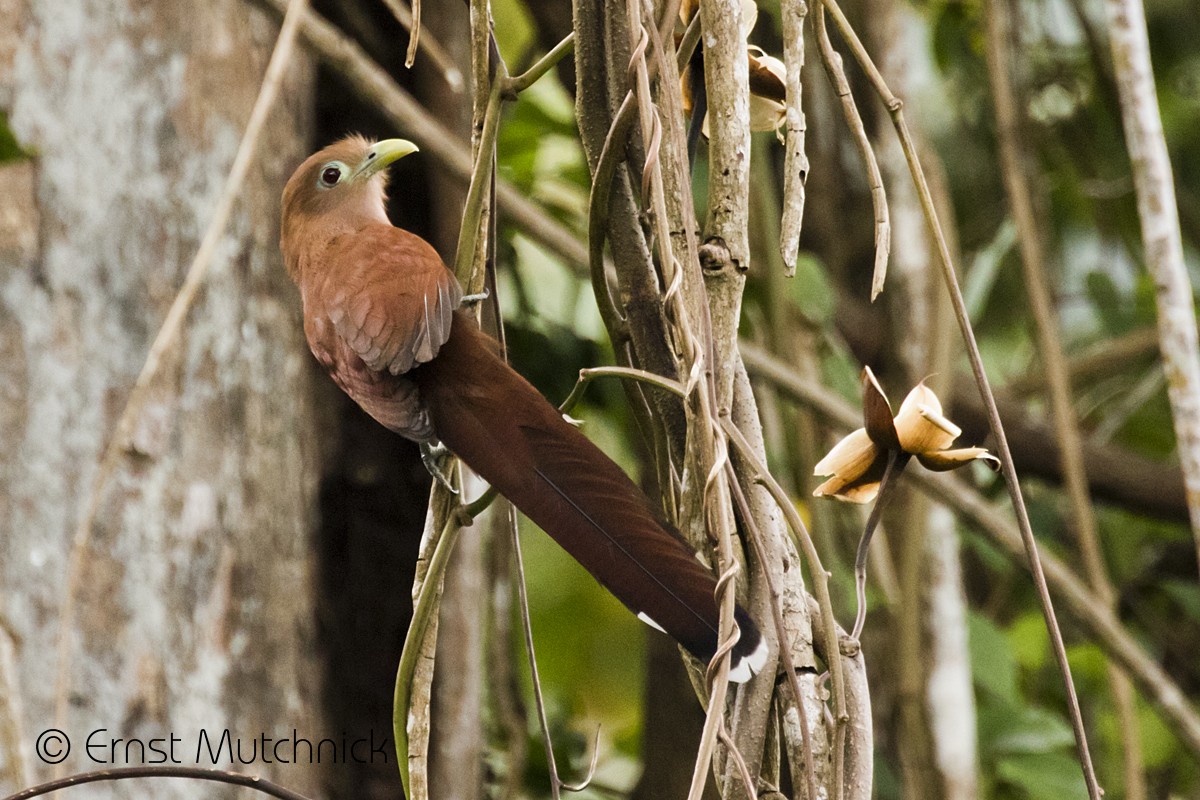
896,461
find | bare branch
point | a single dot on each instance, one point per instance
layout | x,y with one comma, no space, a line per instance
1161,238
781,632
1101,360
820,579
859,763
795,164
254,782
879,205
539,701
727,82
414,674
410,18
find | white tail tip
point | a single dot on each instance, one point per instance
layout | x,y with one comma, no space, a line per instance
746,667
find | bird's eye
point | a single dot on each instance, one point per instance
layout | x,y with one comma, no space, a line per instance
330,176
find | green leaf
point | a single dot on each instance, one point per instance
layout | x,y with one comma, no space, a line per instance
10,148
517,34
1048,776
1159,744
1089,666
1011,730
992,662
1029,640
1108,302
981,277
1186,594
811,290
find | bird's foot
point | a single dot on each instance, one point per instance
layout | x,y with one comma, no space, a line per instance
436,459
470,300
849,645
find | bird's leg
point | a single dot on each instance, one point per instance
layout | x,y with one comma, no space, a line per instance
435,456
470,300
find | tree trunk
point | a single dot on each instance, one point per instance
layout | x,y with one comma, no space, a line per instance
196,597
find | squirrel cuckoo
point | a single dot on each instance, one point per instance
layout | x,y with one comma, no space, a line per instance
381,314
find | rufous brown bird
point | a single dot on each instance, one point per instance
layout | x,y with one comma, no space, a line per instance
381,313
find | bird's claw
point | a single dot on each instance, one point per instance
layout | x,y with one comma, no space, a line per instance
435,458
850,646
469,300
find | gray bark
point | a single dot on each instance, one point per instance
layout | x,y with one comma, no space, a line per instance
195,604
1161,237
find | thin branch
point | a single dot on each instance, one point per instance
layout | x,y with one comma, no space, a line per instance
760,732
556,783
519,83
510,708
785,650
1129,402
738,760
879,205
896,462
414,35
820,577
688,44
166,341
611,155
685,301
795,164
589,374
131,773
467,255
411,20
1117,641
539,701
423,616
590,775
413,711
859,761
1161,237
1082,519
895,108
1100,623
727,82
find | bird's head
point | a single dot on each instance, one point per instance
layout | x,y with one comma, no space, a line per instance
337,189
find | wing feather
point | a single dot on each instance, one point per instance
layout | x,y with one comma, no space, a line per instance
389,296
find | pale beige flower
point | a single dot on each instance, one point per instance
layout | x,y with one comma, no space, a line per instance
768,82
856,464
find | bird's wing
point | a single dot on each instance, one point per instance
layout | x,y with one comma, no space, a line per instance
389,297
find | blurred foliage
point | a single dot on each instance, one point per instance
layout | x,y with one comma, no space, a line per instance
1077,158
10,148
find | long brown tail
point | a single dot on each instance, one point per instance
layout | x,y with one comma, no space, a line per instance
497,423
